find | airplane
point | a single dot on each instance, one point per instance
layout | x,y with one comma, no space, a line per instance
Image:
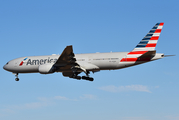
71,65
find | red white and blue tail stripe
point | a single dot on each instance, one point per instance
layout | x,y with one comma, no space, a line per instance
149,42
146,46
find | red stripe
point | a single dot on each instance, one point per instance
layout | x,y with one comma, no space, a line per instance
151,45
154,38
135,59
122,60
161,24
21,63
128,60
137,52
158,30
131,59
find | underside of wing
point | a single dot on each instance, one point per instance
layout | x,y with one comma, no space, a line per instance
66,61
68,65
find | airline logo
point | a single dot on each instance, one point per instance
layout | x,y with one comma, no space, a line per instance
40,61
150,40
148,43
37,61
23,62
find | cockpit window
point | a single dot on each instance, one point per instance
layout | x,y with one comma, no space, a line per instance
7,63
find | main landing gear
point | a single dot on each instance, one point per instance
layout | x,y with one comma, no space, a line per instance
75,76
83,77
87,78
17,79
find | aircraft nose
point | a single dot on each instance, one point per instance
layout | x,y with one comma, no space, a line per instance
5,67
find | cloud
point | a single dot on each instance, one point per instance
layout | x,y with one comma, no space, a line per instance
6,112
112,88
61,98
83,97
157,86
173,74
88,96
172,117
32,105
135,118
12,109
40,103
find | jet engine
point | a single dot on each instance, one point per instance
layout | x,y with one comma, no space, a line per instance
46,69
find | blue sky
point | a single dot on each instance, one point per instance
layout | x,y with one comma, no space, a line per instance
40,27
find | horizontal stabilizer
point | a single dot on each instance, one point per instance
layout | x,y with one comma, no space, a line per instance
148,54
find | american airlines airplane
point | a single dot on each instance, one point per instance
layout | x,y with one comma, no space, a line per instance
71,65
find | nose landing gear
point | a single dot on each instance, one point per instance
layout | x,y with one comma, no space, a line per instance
17,79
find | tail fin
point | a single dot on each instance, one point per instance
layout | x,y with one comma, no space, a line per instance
145,50
149,42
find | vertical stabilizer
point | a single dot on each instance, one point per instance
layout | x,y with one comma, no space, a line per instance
149,42
145,50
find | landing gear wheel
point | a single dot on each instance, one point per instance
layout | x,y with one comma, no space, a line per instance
17,79
78,77
87,78
90,79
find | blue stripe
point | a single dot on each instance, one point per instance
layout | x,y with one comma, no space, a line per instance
140,45
149,34
158,24
146,39
25,59
154,28
142,42
151,31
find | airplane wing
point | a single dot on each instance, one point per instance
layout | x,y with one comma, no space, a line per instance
67,62
67,57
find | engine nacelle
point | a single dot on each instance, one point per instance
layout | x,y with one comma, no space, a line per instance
46,69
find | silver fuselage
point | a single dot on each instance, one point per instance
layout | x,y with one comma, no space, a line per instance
91,62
